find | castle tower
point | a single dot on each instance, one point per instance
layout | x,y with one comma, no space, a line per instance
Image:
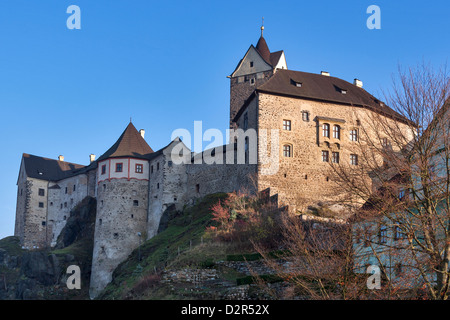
122,205
253,70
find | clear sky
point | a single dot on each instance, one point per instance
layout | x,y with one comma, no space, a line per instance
164,64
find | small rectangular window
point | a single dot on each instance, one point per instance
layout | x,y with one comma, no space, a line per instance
325,156
41,204
104,169
65,191
335,157
41,192
139,168
305,116
354,135
245,121
151,169
251,64
44,223
354,159
287,125
287,151
197,188
169,163
119,167
135,203
157,166
74,187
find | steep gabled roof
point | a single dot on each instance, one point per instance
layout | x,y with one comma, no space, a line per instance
129,144
49,169
319,87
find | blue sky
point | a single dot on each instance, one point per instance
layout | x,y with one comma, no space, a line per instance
164,64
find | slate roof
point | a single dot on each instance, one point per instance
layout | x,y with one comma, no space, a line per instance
319,87
129,144
49,169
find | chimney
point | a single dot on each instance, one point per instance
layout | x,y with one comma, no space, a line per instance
60,158
358,83
325,73
142,132
91,158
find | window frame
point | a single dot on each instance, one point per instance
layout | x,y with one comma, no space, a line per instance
287,125
103,169
337,131
139,165
353,135
325,156
117,166
287,150
354,159
326,130
335,157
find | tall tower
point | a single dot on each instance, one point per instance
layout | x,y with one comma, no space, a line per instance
253,70
122,205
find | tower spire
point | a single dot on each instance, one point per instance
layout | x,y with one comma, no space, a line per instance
262,27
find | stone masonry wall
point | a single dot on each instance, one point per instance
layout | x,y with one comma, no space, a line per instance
122,206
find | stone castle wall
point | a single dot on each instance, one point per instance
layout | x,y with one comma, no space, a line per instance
122,206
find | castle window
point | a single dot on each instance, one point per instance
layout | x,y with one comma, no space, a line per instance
382,234
151,169
197,188
358,122
169,163
287,125
61,205
41,192
100,222
74,187
104,169
353,135
116,235
65,204
101,203
71,201
385,142
65,218
135,203
354,159
157,186
41,204
51,203
43,223
287,151
104,187
398,234
139,168
157,166
325,156
252,81
21,191
305,116
335,157
251,64
119,167
132,216
326,130
65,190
336,132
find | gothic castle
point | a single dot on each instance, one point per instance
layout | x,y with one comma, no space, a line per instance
303,122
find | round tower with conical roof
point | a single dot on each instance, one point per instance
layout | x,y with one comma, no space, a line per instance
122,204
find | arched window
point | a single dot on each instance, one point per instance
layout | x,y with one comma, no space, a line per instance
326,130
287,150
336,132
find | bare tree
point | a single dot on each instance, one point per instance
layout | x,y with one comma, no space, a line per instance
406,212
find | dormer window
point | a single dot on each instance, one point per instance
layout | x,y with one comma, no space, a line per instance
343,91
296,83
